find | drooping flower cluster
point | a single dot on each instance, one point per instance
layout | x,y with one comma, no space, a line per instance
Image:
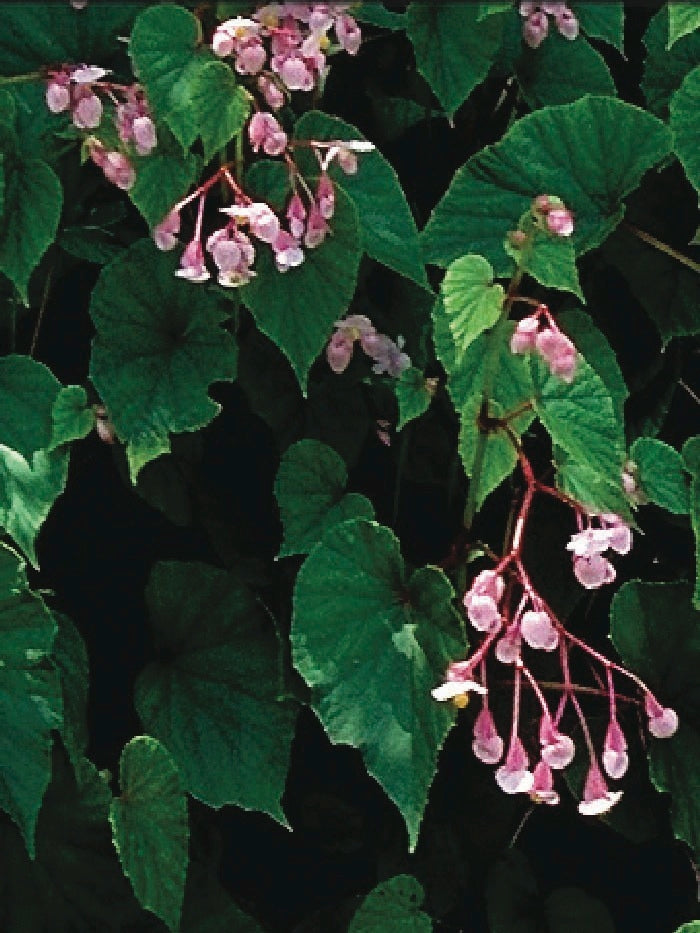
388,355
555,348
291,39
503,605
536,25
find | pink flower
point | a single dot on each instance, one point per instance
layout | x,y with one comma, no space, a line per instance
615,758
560,222
523,339
57,94
288,253
250,57
295,73
265,131
597,799
87,108
296,215
325,196
348,33
455,686
487,744
87,74
233,254
232,33
481,601
567,24
274,98
619,532
593,572
316,228
543,785
513,777
535,29
663,721
115,165
537,630
164,234
558,750
558,352
588,542
192,265
508,647
339,351
144,135
388,356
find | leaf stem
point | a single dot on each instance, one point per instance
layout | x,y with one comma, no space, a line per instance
663,247
21,79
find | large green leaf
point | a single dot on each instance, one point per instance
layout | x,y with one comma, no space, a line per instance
472,301
72,417
221,105
591,154
691,461
683,18
561,71
393,905
603,21
372,642
149,827
169,58
552,261
685,124
661,474
664,69
310,490
213,698
454,49
159,346
162,180
388,230
30,697
657,633
296,309
29,390
71,660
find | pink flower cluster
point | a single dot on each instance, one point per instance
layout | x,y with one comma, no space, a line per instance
292,38
589,545
552,213
134,123
555,348
536,25
388,356
505,607
71,88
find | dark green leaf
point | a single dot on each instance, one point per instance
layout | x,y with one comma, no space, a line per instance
664,69
393,905
71,660
72,417
685,125
412,396
661,474
691,459
561,71
683,18
222,106
598,353
161,181
603,21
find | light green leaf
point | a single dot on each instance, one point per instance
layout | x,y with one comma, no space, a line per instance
33,201
372,642
412,396
454,49
657,633
161,181
389,232
168,59
491,8
213,698
310,491
72,417
393,905
71,660
296,309
149,827
472,301
159,346
561,71
222,106
683,18
30,697
661,474
685,125
604,21
595,491
591,154
664,69
692,927
551,260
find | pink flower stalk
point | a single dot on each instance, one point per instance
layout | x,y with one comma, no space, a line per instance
543,785
482,599
558,750
597,799
615,758
535,29
265,131
165,234
487,744
663,721
513,777
288,253
537,630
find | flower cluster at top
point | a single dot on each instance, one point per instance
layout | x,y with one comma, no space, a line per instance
536,25
388,355
504,605
292,38
548,341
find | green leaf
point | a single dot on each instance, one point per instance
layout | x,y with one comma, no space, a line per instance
159,346
604,21
378,15
591,154
561,71
472,301
393,905
490,8
661,474
692,927
454,49
685,125
72,417
657,633
664,69
571,910
372,642
29,390
595,491
208,908
161,181
213,698
683,18
33,201
268,180
580,417
296,309
310,490
168,60
551,260
388,230
412,396
149,827
691,459
71,660
222,106
30,697
91,244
